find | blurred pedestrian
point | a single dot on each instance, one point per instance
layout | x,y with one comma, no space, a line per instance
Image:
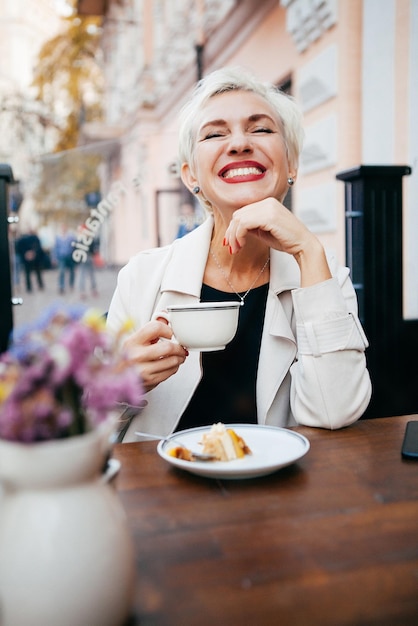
30,253
188,220
88,270
63,253
46,235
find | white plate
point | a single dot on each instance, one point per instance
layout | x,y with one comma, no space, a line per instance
272,448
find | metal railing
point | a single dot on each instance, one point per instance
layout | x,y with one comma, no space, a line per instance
6,313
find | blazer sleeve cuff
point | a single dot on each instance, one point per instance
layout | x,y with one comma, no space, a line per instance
328,327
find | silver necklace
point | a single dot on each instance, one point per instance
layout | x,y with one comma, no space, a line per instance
224,274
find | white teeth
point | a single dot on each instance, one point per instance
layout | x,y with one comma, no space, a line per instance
242,171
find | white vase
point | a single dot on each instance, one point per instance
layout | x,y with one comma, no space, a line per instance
66,556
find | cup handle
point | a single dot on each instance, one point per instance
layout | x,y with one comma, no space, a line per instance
161,315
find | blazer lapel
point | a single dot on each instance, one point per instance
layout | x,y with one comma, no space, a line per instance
183,277
278,343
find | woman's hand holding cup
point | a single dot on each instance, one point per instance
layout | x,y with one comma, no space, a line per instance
156,360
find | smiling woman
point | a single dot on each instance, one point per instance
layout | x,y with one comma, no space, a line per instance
298,332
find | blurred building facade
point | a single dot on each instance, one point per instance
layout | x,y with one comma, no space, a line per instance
351,64
25,128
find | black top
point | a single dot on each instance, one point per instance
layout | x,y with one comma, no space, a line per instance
226,392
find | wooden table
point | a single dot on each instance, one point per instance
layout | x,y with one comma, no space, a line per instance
331,540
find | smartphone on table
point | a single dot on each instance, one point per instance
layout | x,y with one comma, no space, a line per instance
410,441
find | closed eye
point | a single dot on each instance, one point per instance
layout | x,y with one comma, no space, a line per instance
212,135
263,130
215,134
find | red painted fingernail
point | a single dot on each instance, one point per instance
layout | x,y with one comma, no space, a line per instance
230,250
224,241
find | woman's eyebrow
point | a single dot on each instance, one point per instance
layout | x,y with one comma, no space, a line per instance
213,123
261,116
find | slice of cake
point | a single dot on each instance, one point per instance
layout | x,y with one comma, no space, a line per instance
224,443
179,452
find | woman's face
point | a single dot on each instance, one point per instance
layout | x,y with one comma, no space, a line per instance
240,155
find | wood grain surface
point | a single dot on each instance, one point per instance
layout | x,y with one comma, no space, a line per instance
331,540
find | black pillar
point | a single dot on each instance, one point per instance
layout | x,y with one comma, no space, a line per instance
6,315
199,60
373,215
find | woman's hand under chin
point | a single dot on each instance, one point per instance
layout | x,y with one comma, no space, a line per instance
280,229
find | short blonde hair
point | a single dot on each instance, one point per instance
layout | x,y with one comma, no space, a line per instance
238,79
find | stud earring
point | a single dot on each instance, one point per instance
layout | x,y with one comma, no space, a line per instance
290,181
196,189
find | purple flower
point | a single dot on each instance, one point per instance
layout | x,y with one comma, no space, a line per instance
62,376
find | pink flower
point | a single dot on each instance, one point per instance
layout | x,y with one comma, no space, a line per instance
62,376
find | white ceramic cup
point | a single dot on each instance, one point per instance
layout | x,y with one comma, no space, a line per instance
204,326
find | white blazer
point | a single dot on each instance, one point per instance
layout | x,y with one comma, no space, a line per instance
312,366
